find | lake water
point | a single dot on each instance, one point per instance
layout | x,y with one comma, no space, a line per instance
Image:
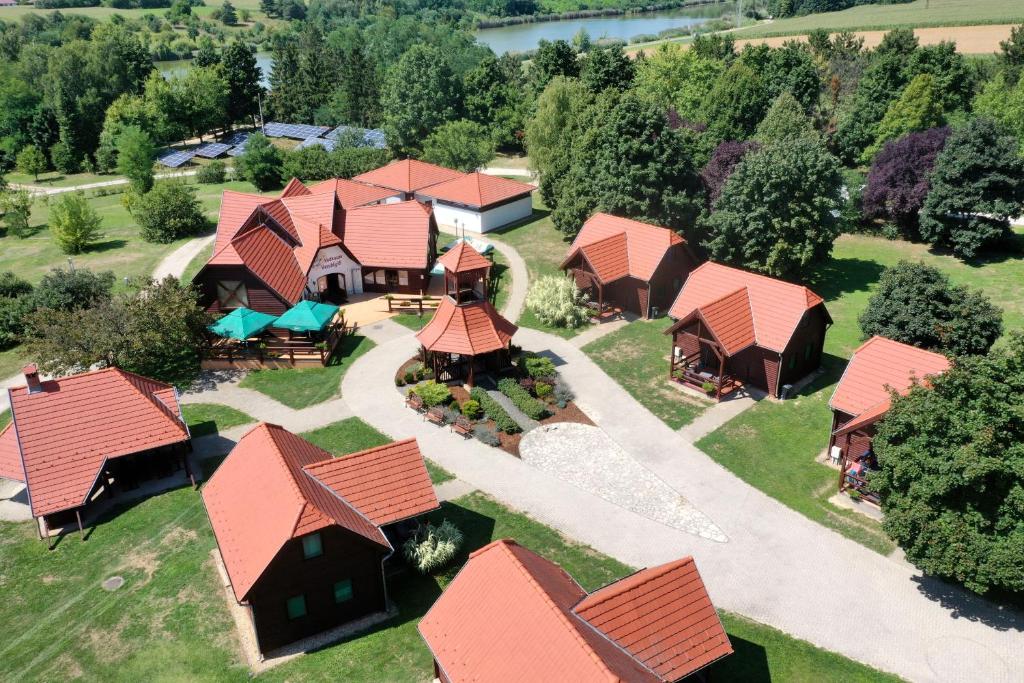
178,67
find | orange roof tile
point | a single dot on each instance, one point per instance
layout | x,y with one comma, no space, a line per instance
351,194
387,484
408,175
294,188
608,257
638,255
731,320
477,190
235,210
878,366
10,455
271,260
260,498
67,430
469,329
389,235
506,594
776,307
663,617
463,258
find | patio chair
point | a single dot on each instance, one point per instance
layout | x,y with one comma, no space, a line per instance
435,415
462,426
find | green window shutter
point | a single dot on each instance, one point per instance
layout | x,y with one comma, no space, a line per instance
343,591
312,546
297,607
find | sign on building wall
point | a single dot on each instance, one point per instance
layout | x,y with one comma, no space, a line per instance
333,260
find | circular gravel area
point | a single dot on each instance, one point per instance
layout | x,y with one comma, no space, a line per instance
588,458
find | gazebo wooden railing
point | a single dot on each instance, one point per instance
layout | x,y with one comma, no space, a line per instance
411,304
690,370
274,350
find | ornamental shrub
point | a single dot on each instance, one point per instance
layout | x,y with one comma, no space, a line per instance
538,366
432,547
542,389
487,435
563,394
168,212
212,173
11,285
432,393
493,410
471,409
74,223
556,301
531,407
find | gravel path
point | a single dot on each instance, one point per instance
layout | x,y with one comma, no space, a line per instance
177,261
586,457
519,416
520,279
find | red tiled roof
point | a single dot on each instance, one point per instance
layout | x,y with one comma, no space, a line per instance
387,484
235,210
478,190
408,175
67,430
389,235
775,307
878,366
271,260
638,255
351,194
260,498
507,616
10,456
661,616
731,320
294,188
462,258
470,329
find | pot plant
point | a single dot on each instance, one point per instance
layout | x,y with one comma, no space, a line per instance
708,388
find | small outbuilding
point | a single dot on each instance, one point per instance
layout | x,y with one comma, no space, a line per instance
478,202
633,266
304,535
408,176
80,442
734,328
657,625
863,396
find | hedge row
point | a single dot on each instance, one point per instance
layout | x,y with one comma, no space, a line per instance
521,399
493,410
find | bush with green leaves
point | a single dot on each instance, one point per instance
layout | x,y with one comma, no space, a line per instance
531,407
74,223
67,290
261,163
462,145
563,394
487,435
494,410
433,393
169,212
15,210
31,161
471,409
135,152
11,285
432,547
558,302
212,173
537,366
542,389
13,311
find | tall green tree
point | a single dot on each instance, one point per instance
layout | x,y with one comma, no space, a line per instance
785,120
607,68
976,189
496,99
15,211
1011,54
735,104
553,59
560,117
420,94
952,489
1003,102
677,77
135,152
356,97
775,213
261,163
243,77
918,108
228,15
462,145
31,161
74,223
203,94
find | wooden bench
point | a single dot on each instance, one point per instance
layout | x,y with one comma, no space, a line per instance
414,401
462,426
435,415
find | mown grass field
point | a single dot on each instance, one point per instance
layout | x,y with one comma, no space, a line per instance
772,446
210,418
104,13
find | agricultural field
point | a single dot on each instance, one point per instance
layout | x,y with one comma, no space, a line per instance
102,13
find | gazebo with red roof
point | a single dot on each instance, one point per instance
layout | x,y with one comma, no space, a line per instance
634,266
655,626
303,536
877,369
734,327
77,442
466,333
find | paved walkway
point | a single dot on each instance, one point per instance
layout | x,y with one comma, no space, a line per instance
720,413
595,332
177,261
44,190
513,307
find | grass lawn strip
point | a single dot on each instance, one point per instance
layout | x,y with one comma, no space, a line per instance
636,356
210,418
5,418
196,264
301,388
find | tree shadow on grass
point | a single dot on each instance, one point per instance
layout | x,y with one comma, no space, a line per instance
108,245
1003,613
748,663
1010,247
841,276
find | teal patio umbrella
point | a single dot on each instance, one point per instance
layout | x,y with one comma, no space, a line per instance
242,323
307,316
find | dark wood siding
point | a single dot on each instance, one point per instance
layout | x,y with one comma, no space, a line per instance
755,366
345,556
803,354
670,275
261,297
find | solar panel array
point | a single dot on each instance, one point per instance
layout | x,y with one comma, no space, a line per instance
369,137
172,158
296,131
211,150
317,142
237,139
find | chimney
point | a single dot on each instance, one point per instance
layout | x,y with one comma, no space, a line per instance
32,378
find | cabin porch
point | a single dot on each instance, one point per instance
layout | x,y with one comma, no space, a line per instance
701,363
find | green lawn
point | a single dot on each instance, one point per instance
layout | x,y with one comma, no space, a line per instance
636,357
773,445
881,16
195,264
58,179
12,361
309,386
210,418
5,418
412,320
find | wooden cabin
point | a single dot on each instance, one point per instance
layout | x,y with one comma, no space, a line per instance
735,328
326,242
558,632
303,536
80,442
407,176
628,265
862,398
478,202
